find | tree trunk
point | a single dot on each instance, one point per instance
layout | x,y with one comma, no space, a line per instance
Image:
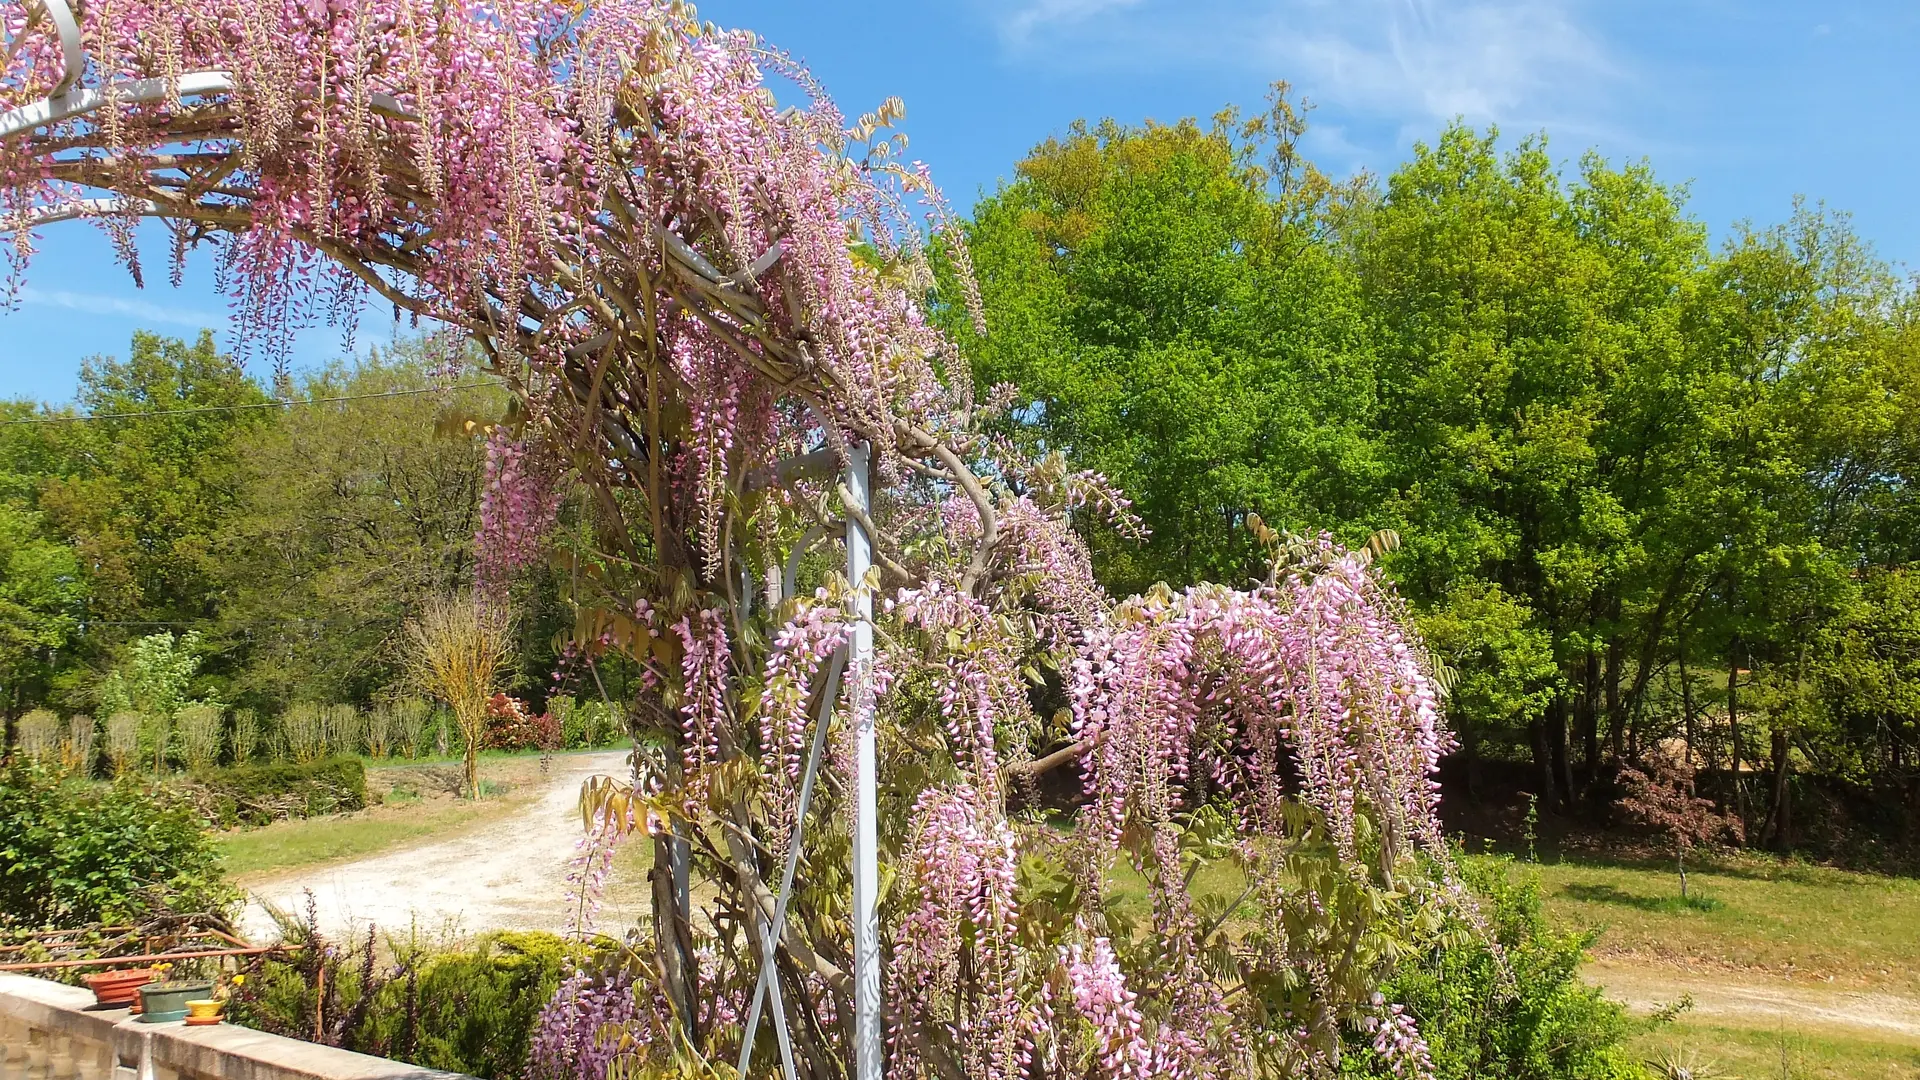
1587,713
1686,699
1469,761
1542,759
1562,763
1779,821
673,930
1737,750
470,734
1616,711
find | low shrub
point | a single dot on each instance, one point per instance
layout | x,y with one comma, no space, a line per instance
263,793
1537,1019
585,725
511,726
73,852
470,1008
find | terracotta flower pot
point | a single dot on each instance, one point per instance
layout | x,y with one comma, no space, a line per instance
114,989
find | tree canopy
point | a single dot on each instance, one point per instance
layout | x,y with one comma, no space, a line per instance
1618,458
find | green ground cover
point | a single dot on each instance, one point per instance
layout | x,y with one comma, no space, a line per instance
1749,913
1783,926
415,804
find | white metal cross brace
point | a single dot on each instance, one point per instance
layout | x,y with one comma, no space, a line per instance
857,655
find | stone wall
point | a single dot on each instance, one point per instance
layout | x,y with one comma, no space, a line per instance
49,1031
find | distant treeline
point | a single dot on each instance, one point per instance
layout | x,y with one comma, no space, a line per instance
175,543
1654,491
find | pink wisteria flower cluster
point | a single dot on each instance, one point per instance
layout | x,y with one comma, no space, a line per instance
1310,689
519,504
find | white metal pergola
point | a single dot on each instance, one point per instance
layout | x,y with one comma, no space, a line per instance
70,100
868,1039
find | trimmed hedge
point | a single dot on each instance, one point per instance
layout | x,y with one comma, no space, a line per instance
259,794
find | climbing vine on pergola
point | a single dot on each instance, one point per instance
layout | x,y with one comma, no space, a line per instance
709,291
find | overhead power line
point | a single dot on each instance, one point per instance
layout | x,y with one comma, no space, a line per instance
277,403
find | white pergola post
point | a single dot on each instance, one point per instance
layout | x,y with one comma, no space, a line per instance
867,1034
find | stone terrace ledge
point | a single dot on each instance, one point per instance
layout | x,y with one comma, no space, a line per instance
50,1031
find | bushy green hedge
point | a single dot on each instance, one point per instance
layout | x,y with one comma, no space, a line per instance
468,1008
258,794
74,852
1541,1023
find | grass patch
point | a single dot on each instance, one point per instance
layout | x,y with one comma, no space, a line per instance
1613,894
1753,913
1713,1050
416,803
288,844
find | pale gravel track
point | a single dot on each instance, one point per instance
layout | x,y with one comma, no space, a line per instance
509,874
1756,1001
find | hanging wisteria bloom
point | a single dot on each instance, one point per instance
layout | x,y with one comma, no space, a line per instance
519,505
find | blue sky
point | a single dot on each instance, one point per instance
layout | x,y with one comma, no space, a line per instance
1749,103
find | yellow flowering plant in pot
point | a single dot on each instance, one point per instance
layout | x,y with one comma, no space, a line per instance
208,1010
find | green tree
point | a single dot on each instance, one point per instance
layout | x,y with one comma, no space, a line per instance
1171,322
41,599
349,514
152,681
144,489
1504,670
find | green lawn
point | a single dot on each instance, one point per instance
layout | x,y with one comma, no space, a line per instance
1752,914
409,811
288,844
1753,920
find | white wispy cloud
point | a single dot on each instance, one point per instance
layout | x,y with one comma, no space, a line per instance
1522,62
1018,24
140,310
1489,61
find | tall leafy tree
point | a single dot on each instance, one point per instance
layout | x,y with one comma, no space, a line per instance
41,600
350,514
1159,298
136,481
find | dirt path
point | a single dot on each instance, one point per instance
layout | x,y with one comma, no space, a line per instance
509,874
1756,1001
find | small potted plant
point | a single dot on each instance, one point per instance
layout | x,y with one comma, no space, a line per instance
163,1002
209,1010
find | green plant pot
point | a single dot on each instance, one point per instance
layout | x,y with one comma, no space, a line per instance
161,1002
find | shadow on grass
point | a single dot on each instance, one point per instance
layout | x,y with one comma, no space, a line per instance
1608,894
1744,866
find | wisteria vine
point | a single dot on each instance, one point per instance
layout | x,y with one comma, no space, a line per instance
694,271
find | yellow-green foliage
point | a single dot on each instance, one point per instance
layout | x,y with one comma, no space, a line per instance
123,740
246,735
303,730
200,731
344,729
38,735
78,750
